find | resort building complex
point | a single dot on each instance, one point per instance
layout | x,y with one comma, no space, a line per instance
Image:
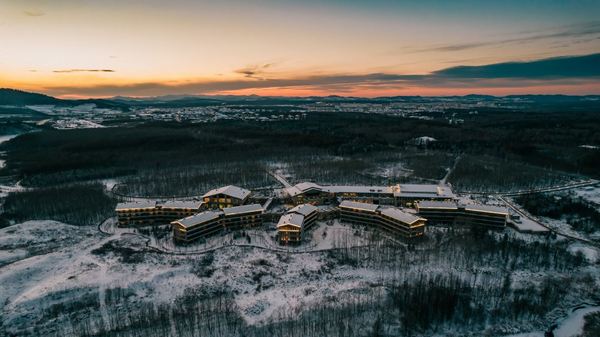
398,195
216,221
387,218
293,225
455,213
224,197
225,209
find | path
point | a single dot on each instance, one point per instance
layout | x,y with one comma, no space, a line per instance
281,179
450,170
521,212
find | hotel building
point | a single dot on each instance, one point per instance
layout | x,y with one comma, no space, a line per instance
293,225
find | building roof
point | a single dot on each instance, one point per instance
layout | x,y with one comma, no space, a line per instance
293,219
486,209
230,190
182,204
358,189
146,204
422,191
429,204
399,215
304,209
242,209
199,218
301,188
359,206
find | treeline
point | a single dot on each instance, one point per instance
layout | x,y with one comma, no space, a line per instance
579,213
76,204
195,180
483,173
531,141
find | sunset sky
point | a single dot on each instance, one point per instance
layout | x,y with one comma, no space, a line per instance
77,48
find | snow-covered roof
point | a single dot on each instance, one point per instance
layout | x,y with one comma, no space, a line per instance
230,190
486,209
242,209
293,219
304,209
182,204
430,204
199,218
401,190
358,189
422,191
399,215
359,206
136,205
301,188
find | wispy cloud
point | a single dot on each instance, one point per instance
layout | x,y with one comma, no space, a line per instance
570,32
254,71
34,12
84,71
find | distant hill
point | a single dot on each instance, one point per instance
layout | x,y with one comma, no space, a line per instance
18,97
22,98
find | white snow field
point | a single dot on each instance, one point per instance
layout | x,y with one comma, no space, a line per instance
53,274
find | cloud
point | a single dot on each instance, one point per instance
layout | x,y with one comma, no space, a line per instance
34,12
559,67
569,70
84,71
254,71
570,32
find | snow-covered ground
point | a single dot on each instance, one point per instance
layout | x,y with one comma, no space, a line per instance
589,193
572,326
50,267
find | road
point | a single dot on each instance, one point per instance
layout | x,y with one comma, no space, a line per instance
281,179
450,170
568,186
521,212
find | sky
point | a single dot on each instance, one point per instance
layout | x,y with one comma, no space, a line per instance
105,48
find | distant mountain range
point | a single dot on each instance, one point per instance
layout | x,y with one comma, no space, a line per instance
20,98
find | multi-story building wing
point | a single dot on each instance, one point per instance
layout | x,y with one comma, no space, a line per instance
293,225
216,221
399,195
242,217
359,212
143,213
172,210
453,213
139,213
484,216
289,228
224,197
408,225
438,212
387,218
197,226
